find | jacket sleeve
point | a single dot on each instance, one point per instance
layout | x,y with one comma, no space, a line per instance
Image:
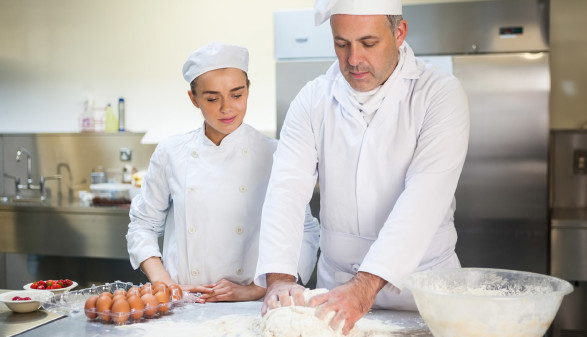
430,183
310,241
293,177
148,212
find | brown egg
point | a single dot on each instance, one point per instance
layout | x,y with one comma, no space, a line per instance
134,290
176,292
163,300
90,307
106,293
118,296
120,291
162,288
150,304
120,311
137,307
157,283
103,305
146,289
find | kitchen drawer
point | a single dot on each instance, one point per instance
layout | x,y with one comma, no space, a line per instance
296,36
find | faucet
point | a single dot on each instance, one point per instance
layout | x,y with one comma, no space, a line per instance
43,182
29,172
29,182
70,185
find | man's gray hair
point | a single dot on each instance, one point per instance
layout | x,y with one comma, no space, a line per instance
394,21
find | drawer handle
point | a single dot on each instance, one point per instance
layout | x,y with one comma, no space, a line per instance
301,39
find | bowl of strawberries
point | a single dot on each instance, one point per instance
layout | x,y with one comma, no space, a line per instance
55,286
25,300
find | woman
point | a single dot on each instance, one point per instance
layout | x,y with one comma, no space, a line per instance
205,189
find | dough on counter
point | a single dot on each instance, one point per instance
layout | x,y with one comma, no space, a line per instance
298,321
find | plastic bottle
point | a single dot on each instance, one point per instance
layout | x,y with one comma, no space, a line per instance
99,119
111,121
86,118
121,114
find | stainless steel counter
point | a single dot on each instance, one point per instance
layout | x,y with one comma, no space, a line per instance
63,229
404,323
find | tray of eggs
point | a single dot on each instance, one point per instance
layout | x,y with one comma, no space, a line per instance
133,304
119,302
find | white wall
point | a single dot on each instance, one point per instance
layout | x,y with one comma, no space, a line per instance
56,53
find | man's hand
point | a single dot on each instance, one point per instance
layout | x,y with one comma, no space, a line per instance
350,301
281,288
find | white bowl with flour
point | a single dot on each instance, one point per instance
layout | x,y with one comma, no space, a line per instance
484,302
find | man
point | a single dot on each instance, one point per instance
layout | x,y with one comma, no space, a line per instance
387,136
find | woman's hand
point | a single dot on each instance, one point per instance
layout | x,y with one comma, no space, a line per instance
227,291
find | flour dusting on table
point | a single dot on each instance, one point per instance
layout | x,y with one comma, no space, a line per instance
294,321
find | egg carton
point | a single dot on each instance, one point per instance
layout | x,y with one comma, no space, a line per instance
72,304
133,315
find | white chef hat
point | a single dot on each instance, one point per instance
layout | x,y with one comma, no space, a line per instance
215,56
323,9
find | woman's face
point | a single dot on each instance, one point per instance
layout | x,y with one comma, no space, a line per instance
222,96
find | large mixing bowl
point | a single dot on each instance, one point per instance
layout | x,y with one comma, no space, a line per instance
471,302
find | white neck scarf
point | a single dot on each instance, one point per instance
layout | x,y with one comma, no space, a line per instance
368,102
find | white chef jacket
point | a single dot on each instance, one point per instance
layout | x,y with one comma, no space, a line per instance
208,200
386,189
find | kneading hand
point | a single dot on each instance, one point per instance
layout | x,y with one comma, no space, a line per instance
281,289
349,302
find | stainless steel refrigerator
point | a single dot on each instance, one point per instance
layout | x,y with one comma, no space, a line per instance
499,51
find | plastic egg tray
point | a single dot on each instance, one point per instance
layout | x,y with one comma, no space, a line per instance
72,304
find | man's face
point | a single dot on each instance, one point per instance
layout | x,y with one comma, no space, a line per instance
367,50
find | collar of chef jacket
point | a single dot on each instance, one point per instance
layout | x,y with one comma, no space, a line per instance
226,141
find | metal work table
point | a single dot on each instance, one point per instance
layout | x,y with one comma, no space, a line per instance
409,323
63,229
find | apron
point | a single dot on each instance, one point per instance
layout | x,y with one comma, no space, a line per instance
352,249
